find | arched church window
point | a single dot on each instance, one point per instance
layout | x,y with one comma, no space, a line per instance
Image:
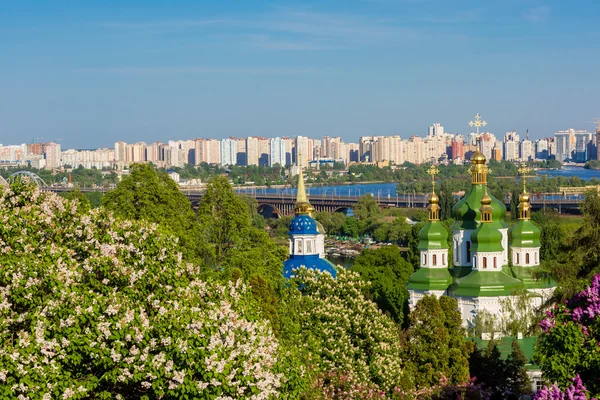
444,259
527,258
517,262
299,246
434,259
309,246
484,262
495,264
424,259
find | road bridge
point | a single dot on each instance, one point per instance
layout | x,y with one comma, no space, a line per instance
280,205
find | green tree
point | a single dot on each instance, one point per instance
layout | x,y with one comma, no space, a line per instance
414,254
514,204
518,381
350,227
436,342
229,239
388,273
446,201
332,222
224,220
500,375
150,195
366,209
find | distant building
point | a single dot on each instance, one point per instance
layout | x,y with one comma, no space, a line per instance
436,130
541,149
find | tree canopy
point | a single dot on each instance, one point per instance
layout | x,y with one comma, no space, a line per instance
94,306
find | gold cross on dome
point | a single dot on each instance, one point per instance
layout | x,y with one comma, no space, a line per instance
477,123
433,171
523,169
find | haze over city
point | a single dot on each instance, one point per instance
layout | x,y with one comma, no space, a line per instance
95,73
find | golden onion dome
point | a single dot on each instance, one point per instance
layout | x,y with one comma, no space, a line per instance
486,200
524,197
478,158
434,199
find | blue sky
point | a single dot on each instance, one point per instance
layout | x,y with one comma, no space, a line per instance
92,73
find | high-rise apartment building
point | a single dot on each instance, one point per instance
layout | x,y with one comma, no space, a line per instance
52,154
526,150
277,152
121,152
436,130
229,151
366,148
541,149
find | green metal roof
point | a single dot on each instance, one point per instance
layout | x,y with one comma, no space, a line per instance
486,238
430,279
433,236
525,275
525,234
485,284
466,212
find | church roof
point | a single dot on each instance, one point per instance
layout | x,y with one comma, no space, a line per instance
485,284
430,279
525,275
312,261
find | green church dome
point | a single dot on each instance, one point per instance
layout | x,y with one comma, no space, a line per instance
433,236
525,234
466,212
486,238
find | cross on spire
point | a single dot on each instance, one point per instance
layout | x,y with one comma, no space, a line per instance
477,124
433,171
523,169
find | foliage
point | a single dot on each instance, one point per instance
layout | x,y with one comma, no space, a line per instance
146,194
93,306
578,256
414,254
332,222
498,375
342,332
366,208
446,201
570,340
388,273
436,342
574,392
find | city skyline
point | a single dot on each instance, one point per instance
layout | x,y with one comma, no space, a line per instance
94,73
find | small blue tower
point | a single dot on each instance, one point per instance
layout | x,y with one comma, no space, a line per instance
306,239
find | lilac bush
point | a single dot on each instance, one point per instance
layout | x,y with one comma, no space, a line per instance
570,343
574,392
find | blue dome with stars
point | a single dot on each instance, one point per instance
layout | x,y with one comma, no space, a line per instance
303,225
312,261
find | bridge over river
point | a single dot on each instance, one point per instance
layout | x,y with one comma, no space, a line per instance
281,204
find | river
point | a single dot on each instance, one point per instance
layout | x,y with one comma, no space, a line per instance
388,190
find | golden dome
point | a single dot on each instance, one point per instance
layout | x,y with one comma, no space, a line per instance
478,158
486,200
434,199
524,197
